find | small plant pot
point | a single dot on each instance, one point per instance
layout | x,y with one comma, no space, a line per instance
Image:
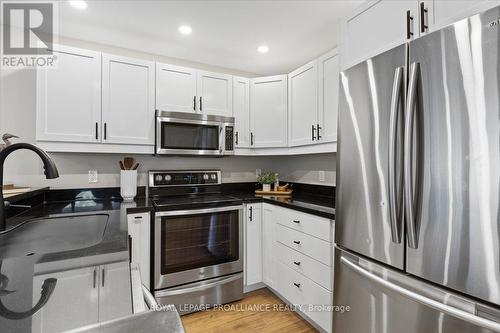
128,185
266,187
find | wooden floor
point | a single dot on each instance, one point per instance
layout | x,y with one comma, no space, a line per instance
248,315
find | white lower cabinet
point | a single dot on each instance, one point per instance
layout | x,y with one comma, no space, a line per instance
301,273
253,244
82,297
139,231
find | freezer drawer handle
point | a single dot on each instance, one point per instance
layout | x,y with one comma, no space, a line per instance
460,314
395,179
408,165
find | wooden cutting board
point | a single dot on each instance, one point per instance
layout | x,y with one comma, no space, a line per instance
260,192
10,191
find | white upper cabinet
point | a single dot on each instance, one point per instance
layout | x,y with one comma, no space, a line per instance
268,111
175,88
303,105
448,11
215,93
328,96
241,111
378,26
69,97
184,89
128,95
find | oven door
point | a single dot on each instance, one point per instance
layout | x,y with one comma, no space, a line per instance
193,245
180,136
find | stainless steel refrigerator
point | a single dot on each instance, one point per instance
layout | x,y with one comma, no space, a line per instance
418,185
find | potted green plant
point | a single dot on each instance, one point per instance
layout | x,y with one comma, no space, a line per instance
266,179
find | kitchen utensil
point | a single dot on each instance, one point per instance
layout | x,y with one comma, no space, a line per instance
128,162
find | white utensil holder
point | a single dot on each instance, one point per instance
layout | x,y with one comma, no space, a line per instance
128,185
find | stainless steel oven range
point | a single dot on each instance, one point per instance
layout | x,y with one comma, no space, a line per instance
198,240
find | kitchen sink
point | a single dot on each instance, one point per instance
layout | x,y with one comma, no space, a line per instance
53,235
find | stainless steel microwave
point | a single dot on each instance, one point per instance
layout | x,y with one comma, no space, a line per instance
179,133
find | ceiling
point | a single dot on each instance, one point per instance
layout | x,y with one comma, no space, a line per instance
224,33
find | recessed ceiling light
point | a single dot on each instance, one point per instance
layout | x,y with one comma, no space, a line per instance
263,49
78,4
185,29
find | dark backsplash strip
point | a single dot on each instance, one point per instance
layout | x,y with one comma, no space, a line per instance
103,193
299,189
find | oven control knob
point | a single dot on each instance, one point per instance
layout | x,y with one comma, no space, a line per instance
168,178
205,176
214,176
159,178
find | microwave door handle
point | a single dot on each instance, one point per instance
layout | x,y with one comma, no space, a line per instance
221,139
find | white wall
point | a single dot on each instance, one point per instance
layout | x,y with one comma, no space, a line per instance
17,116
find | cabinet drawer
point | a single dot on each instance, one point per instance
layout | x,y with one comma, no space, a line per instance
310,224
300,290
313,269
313,247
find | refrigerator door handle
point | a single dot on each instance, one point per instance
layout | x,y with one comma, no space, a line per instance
414,296
408,152
395,180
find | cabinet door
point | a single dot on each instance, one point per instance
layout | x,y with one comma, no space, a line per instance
139,231
215,93
268,112
450,11
128,109
303,105
175,88
115,297
73,303
68,105
241,111
377,26
253,244
328,85
268,245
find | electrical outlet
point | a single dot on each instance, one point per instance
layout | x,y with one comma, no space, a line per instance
321,176
258,172
92,176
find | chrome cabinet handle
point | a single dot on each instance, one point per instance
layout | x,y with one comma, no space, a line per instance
395,180
422,299
297,242
408,145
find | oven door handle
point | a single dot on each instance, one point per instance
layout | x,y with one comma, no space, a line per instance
199,286
198,211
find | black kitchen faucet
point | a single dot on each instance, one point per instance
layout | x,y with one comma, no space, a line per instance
48,164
